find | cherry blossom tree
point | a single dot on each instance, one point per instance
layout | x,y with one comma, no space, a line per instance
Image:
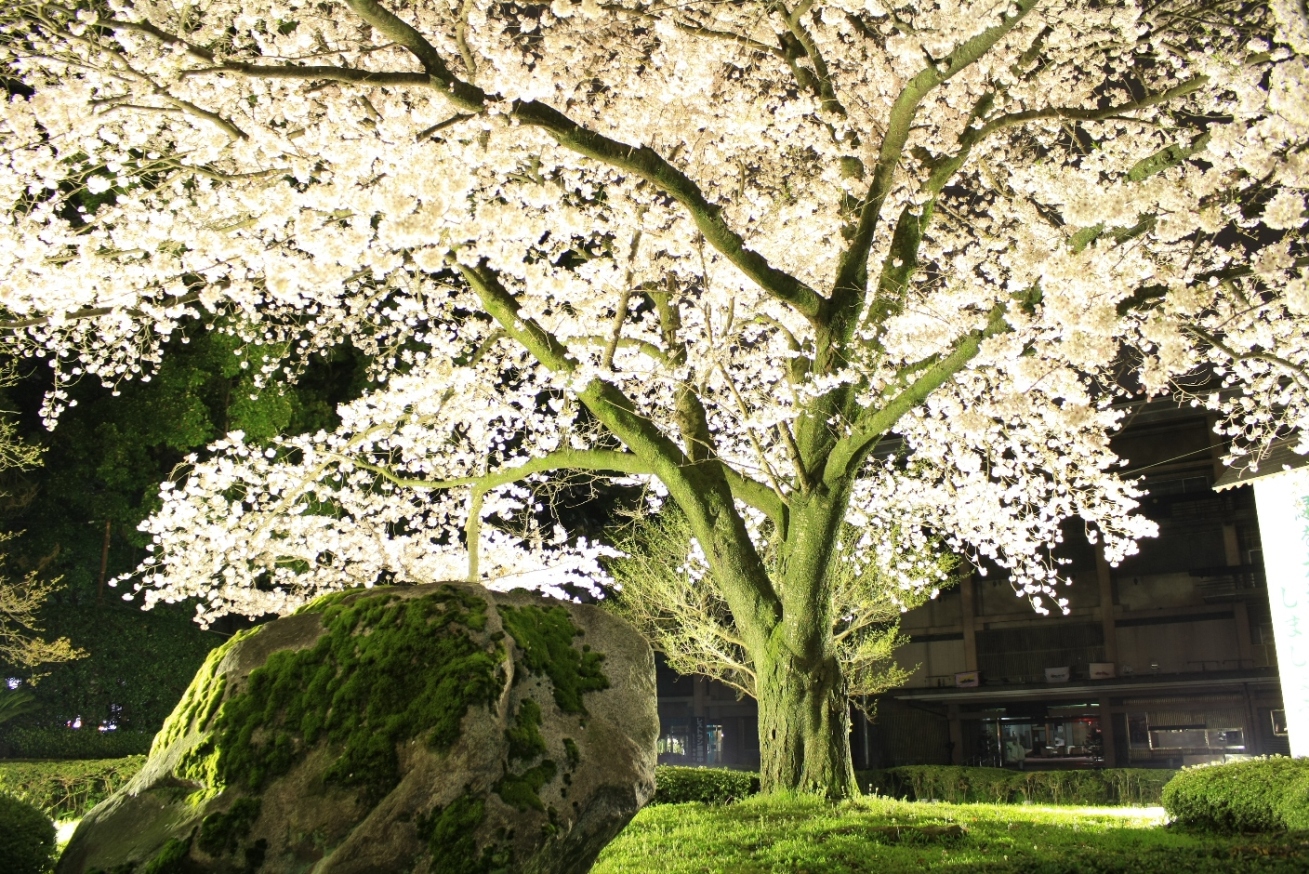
812,272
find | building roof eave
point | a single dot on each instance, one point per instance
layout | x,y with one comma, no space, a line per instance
1280,459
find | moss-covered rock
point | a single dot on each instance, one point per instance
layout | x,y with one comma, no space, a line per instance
432,729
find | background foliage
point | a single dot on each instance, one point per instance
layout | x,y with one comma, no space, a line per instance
957,784
101,475
677,785
67,790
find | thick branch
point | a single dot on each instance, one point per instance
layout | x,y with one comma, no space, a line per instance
853,271
403,34
1190,86
696,29
701,488
902,259
708,217
1299,373
757,495
642,161
565,459
88,313
794,22
850,451
315,73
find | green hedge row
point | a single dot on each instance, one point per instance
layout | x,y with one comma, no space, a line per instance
1258,795
959,784
66,790
677,785
64,743
674,785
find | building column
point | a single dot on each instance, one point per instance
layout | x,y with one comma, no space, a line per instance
956,735
1244,648
968,615
1105,577
1254,742
1108,737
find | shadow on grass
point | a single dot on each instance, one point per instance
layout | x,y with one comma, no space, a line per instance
808,836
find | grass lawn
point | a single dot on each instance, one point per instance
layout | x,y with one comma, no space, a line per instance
808,836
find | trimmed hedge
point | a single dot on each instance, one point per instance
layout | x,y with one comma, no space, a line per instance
957,784
65,743
677,785
27,838
1110,786
1257,795
67,790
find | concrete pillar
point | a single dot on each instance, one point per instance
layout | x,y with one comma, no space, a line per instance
967,618
1108,737
956,735
1244,647
1105,577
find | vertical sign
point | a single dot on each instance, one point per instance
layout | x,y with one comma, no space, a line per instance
1281,501
699,740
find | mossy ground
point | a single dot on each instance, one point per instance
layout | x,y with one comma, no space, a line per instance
790,835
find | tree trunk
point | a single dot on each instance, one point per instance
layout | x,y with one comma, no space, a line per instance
804,725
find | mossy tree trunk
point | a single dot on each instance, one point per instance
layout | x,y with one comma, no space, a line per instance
804,710
804,725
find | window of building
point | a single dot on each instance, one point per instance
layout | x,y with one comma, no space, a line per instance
1197,739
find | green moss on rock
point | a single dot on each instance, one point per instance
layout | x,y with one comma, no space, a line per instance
525,740
545,638
523,791
386,669
201,698
453,841
222,832
172,859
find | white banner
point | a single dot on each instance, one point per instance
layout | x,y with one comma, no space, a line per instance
1284,530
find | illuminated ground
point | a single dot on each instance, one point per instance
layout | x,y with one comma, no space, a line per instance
879,835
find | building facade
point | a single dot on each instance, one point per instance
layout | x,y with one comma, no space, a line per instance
1166,660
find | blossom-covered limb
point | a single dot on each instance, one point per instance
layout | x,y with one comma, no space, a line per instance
851,451
794,19
641,160
851,277
699,484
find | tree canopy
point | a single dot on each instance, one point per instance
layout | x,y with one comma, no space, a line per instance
725,251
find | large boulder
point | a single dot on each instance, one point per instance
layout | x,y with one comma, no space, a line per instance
440,728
